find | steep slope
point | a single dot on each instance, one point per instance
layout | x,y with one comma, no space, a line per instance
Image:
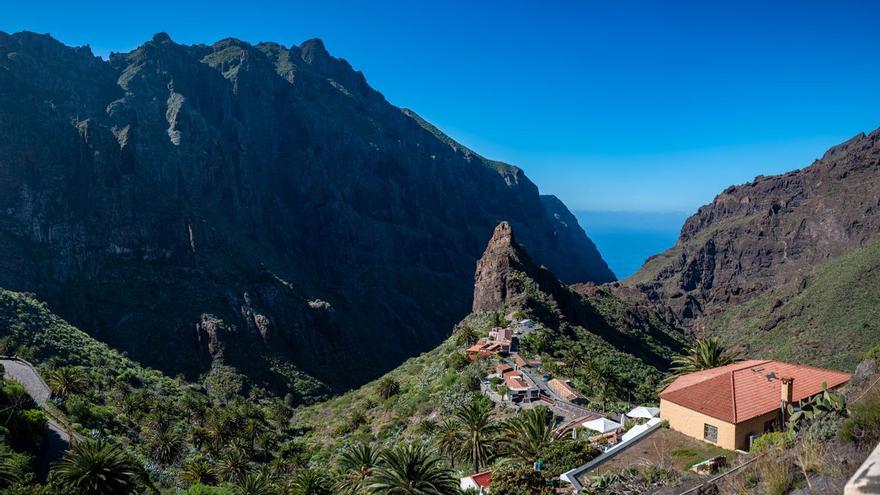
258,206
831,320
613,325
591,328
766,251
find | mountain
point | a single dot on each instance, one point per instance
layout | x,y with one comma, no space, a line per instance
614,325
609,340
258,206
756,266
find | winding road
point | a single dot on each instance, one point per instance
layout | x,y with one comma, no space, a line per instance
57,436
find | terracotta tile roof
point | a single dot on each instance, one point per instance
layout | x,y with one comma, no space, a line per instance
483,479
515,383
519,360
502,368
476,347
564,390
744,390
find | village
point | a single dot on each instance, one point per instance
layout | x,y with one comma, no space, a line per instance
706,422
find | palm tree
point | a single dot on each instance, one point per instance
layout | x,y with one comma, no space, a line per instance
8,475
478,429
703,355
388,387
198,471
449,440
97,467
466,336
166,446
528,435
254,484
67,380
412,470
310,482
356,464
234,464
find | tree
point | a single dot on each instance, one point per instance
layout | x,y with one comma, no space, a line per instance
310,482
478,430
8,474
703,355
466,335
255,484
520,481
165,446
66,381
388,387
412,470
97,467
355,465
198,471
527,435
449,440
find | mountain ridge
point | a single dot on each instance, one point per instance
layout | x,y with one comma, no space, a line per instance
192,204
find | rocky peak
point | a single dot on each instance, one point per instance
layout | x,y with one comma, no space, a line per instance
313,51
493,282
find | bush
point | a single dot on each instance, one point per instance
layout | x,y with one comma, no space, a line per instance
27,431
770,440
457,360
863,425
564,454
520,481
775,473
207,490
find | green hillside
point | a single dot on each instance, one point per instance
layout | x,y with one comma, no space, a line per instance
830,320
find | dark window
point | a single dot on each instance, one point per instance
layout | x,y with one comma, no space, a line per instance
770,426
710,433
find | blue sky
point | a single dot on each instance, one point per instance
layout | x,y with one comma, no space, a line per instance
614,106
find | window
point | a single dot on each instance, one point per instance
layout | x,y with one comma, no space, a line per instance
710,433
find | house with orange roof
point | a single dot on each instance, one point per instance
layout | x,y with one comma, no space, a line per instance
564,390
479,482
732,405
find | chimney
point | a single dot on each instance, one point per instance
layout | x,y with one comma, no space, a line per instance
787,390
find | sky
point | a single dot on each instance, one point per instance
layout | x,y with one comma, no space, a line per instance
612,106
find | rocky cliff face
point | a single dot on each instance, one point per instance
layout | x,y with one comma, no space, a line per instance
608,323
260,205
769,233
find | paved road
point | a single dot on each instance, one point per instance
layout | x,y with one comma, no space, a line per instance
28,377
57,438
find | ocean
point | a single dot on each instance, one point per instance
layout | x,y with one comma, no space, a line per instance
627,239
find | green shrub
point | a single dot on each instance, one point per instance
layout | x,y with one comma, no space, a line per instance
27,430
564,454
208,490
520,481
770,440
863,424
